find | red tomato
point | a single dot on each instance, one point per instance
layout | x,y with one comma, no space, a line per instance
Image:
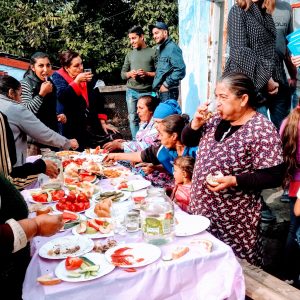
82,197
61,206
138,199
86,205
43,197
79,206
57,195
123,185
73,263
71,197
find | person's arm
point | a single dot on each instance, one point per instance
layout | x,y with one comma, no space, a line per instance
133,157
178,68
14,235
125,72
257,68
33,127
297,205
31,103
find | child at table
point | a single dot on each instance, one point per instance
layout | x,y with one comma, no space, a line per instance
183,172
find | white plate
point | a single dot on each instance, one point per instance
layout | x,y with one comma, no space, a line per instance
148,252
123,198
86,245
190,224
137,184
97,235
37,191
97,258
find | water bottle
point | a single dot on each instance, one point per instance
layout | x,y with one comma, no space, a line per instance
157,217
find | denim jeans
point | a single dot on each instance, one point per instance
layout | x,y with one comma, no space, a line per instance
132,97
295,97
172,93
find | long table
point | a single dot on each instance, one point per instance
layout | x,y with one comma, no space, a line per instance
196,275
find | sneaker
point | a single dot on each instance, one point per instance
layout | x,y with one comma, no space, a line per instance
285,197
267,215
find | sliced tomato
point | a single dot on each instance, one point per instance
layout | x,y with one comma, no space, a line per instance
42,197
93,224
79,206
57,194
71,197
82,197
69,180
130,270
73,263
123,185
138,199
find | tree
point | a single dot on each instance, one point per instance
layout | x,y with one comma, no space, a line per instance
96,29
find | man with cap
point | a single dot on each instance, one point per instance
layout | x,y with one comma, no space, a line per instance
170,67
138,69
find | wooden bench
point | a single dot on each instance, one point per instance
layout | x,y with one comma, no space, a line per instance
262,286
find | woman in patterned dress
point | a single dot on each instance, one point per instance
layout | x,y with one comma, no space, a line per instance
246,148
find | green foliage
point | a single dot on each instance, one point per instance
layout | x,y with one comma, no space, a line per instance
96,29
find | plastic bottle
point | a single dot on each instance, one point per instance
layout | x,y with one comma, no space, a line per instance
157,217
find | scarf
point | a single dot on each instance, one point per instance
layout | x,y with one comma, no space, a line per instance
82,87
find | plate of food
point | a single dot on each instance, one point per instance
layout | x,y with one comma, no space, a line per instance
73,202
133,255
134,185
63,247
114,196
190,224
87,267
66,153
95,228
45,196
112,172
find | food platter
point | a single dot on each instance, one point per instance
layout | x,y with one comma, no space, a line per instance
63,247
66,153
126,195
135,185
97,258
137,254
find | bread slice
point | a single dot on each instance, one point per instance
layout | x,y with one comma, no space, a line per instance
48,279
179,252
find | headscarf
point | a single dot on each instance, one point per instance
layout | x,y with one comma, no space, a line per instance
167,108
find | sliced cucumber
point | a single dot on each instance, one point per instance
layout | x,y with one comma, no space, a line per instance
86,274
94,268
87,261
94,273
73,274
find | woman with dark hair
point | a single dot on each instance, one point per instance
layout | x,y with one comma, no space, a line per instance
82,102
146,135
39,95
162,157
239,154
24,123
290,137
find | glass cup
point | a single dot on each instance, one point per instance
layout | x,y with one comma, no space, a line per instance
132,221
88,70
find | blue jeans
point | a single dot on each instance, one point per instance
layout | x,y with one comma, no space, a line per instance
295,97
132,97
172,93
278,105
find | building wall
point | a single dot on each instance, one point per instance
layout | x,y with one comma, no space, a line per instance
16,73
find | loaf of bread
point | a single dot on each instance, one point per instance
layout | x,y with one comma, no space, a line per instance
179,252
48,280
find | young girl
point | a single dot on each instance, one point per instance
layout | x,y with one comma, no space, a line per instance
183,172
290,136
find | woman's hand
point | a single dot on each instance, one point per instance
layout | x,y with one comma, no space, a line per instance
111,157
224,183
201,116
83,77
51,169
46,88
107,127
114,145
296,60
148,168
48,225
272,87
62,118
